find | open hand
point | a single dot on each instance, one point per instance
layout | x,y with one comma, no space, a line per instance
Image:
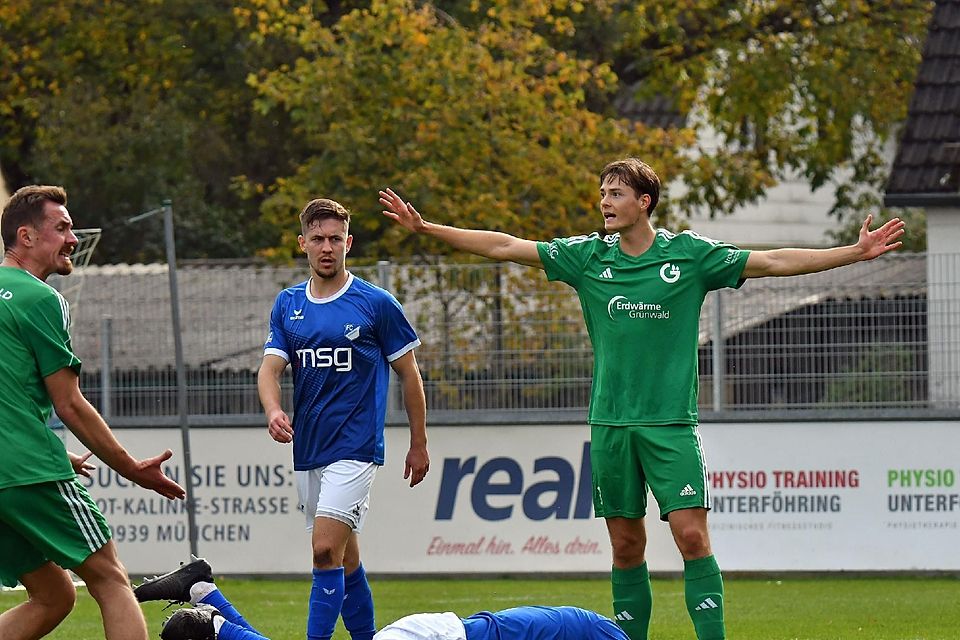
400,211
878,242
149,475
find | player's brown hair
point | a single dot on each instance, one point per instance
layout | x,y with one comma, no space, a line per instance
25,208
322,209
638,175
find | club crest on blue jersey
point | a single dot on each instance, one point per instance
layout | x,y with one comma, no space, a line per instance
351,331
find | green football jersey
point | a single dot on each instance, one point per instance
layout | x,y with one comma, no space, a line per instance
35,342
643,317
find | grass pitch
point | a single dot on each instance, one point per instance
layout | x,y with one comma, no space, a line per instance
757,609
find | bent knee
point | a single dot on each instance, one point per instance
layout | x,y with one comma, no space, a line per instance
628,550
56,600
693,542
325,557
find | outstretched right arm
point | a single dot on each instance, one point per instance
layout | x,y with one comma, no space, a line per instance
497,246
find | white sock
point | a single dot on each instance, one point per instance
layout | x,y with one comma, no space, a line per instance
200,590
217,623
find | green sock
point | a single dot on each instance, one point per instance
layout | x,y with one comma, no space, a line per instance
632,600
703,587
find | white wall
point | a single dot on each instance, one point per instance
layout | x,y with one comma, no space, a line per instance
943,304
789,216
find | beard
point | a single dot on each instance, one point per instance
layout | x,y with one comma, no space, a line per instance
66,268
327,271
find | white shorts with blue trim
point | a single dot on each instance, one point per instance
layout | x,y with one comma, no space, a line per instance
340,490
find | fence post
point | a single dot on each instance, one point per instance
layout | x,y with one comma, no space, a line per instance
184,420
106,367
717,351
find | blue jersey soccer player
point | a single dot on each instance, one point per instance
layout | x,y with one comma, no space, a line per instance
341,335
213,617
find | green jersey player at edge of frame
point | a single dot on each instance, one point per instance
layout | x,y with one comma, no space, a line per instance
48,521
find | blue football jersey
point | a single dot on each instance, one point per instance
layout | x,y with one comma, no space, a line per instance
541,623
339,349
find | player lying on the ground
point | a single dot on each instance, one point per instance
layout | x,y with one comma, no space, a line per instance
213,617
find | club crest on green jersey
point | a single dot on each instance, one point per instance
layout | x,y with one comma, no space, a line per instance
669,272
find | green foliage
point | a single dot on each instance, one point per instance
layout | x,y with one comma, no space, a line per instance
487,113
915,239
486,127
128,104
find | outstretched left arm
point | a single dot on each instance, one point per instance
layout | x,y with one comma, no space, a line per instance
794,262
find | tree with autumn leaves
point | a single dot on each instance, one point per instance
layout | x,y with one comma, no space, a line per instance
495,114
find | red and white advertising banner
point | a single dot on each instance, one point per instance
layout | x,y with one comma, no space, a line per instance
812,496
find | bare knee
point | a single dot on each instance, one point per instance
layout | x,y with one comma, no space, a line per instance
692,541
329,541
629,542
56,600
104,574
326,556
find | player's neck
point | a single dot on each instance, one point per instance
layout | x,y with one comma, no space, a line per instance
326,287
638,238
11,259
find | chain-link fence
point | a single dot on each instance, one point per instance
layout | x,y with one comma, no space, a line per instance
876,338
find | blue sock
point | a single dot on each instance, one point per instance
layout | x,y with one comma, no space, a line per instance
231,631
216,599
326,600
357,610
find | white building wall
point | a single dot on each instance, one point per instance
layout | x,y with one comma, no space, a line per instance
789,216
943,304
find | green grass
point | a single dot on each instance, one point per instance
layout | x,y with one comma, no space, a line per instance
757,609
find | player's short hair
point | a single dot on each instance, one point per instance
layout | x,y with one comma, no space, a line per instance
638,175
25,207
322,209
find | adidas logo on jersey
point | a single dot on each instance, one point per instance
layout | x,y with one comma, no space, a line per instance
688,491
606,274
624,615
706,604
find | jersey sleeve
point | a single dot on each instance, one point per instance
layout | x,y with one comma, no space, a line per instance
47,330
395,333
722,265
276,343
564,258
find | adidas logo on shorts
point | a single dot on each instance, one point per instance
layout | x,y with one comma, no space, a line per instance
688,491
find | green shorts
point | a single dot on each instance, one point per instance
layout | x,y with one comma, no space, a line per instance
50,521
625,460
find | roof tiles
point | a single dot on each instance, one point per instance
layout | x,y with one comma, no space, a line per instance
926,169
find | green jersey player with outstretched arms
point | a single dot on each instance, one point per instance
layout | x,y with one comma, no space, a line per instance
641,289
